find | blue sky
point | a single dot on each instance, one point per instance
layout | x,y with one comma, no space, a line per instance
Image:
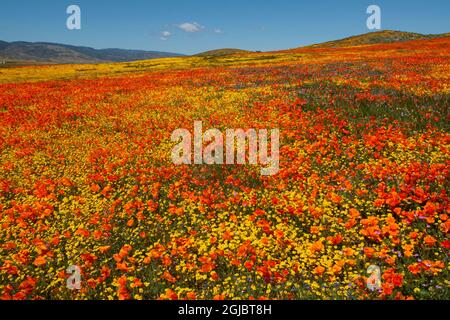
192,26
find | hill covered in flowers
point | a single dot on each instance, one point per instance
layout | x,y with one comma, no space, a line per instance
86,177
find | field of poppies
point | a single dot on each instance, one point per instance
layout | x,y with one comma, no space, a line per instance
86,177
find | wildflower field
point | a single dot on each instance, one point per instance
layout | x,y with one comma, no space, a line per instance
86,177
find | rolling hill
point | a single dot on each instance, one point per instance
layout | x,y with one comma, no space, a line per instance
222,52
386,36
60,53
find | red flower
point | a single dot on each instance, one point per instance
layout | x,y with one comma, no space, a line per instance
446,244
248,265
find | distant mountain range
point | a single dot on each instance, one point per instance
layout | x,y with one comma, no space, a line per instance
62,53
42,52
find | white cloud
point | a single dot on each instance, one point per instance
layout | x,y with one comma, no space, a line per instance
165,35
218,31
191,27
